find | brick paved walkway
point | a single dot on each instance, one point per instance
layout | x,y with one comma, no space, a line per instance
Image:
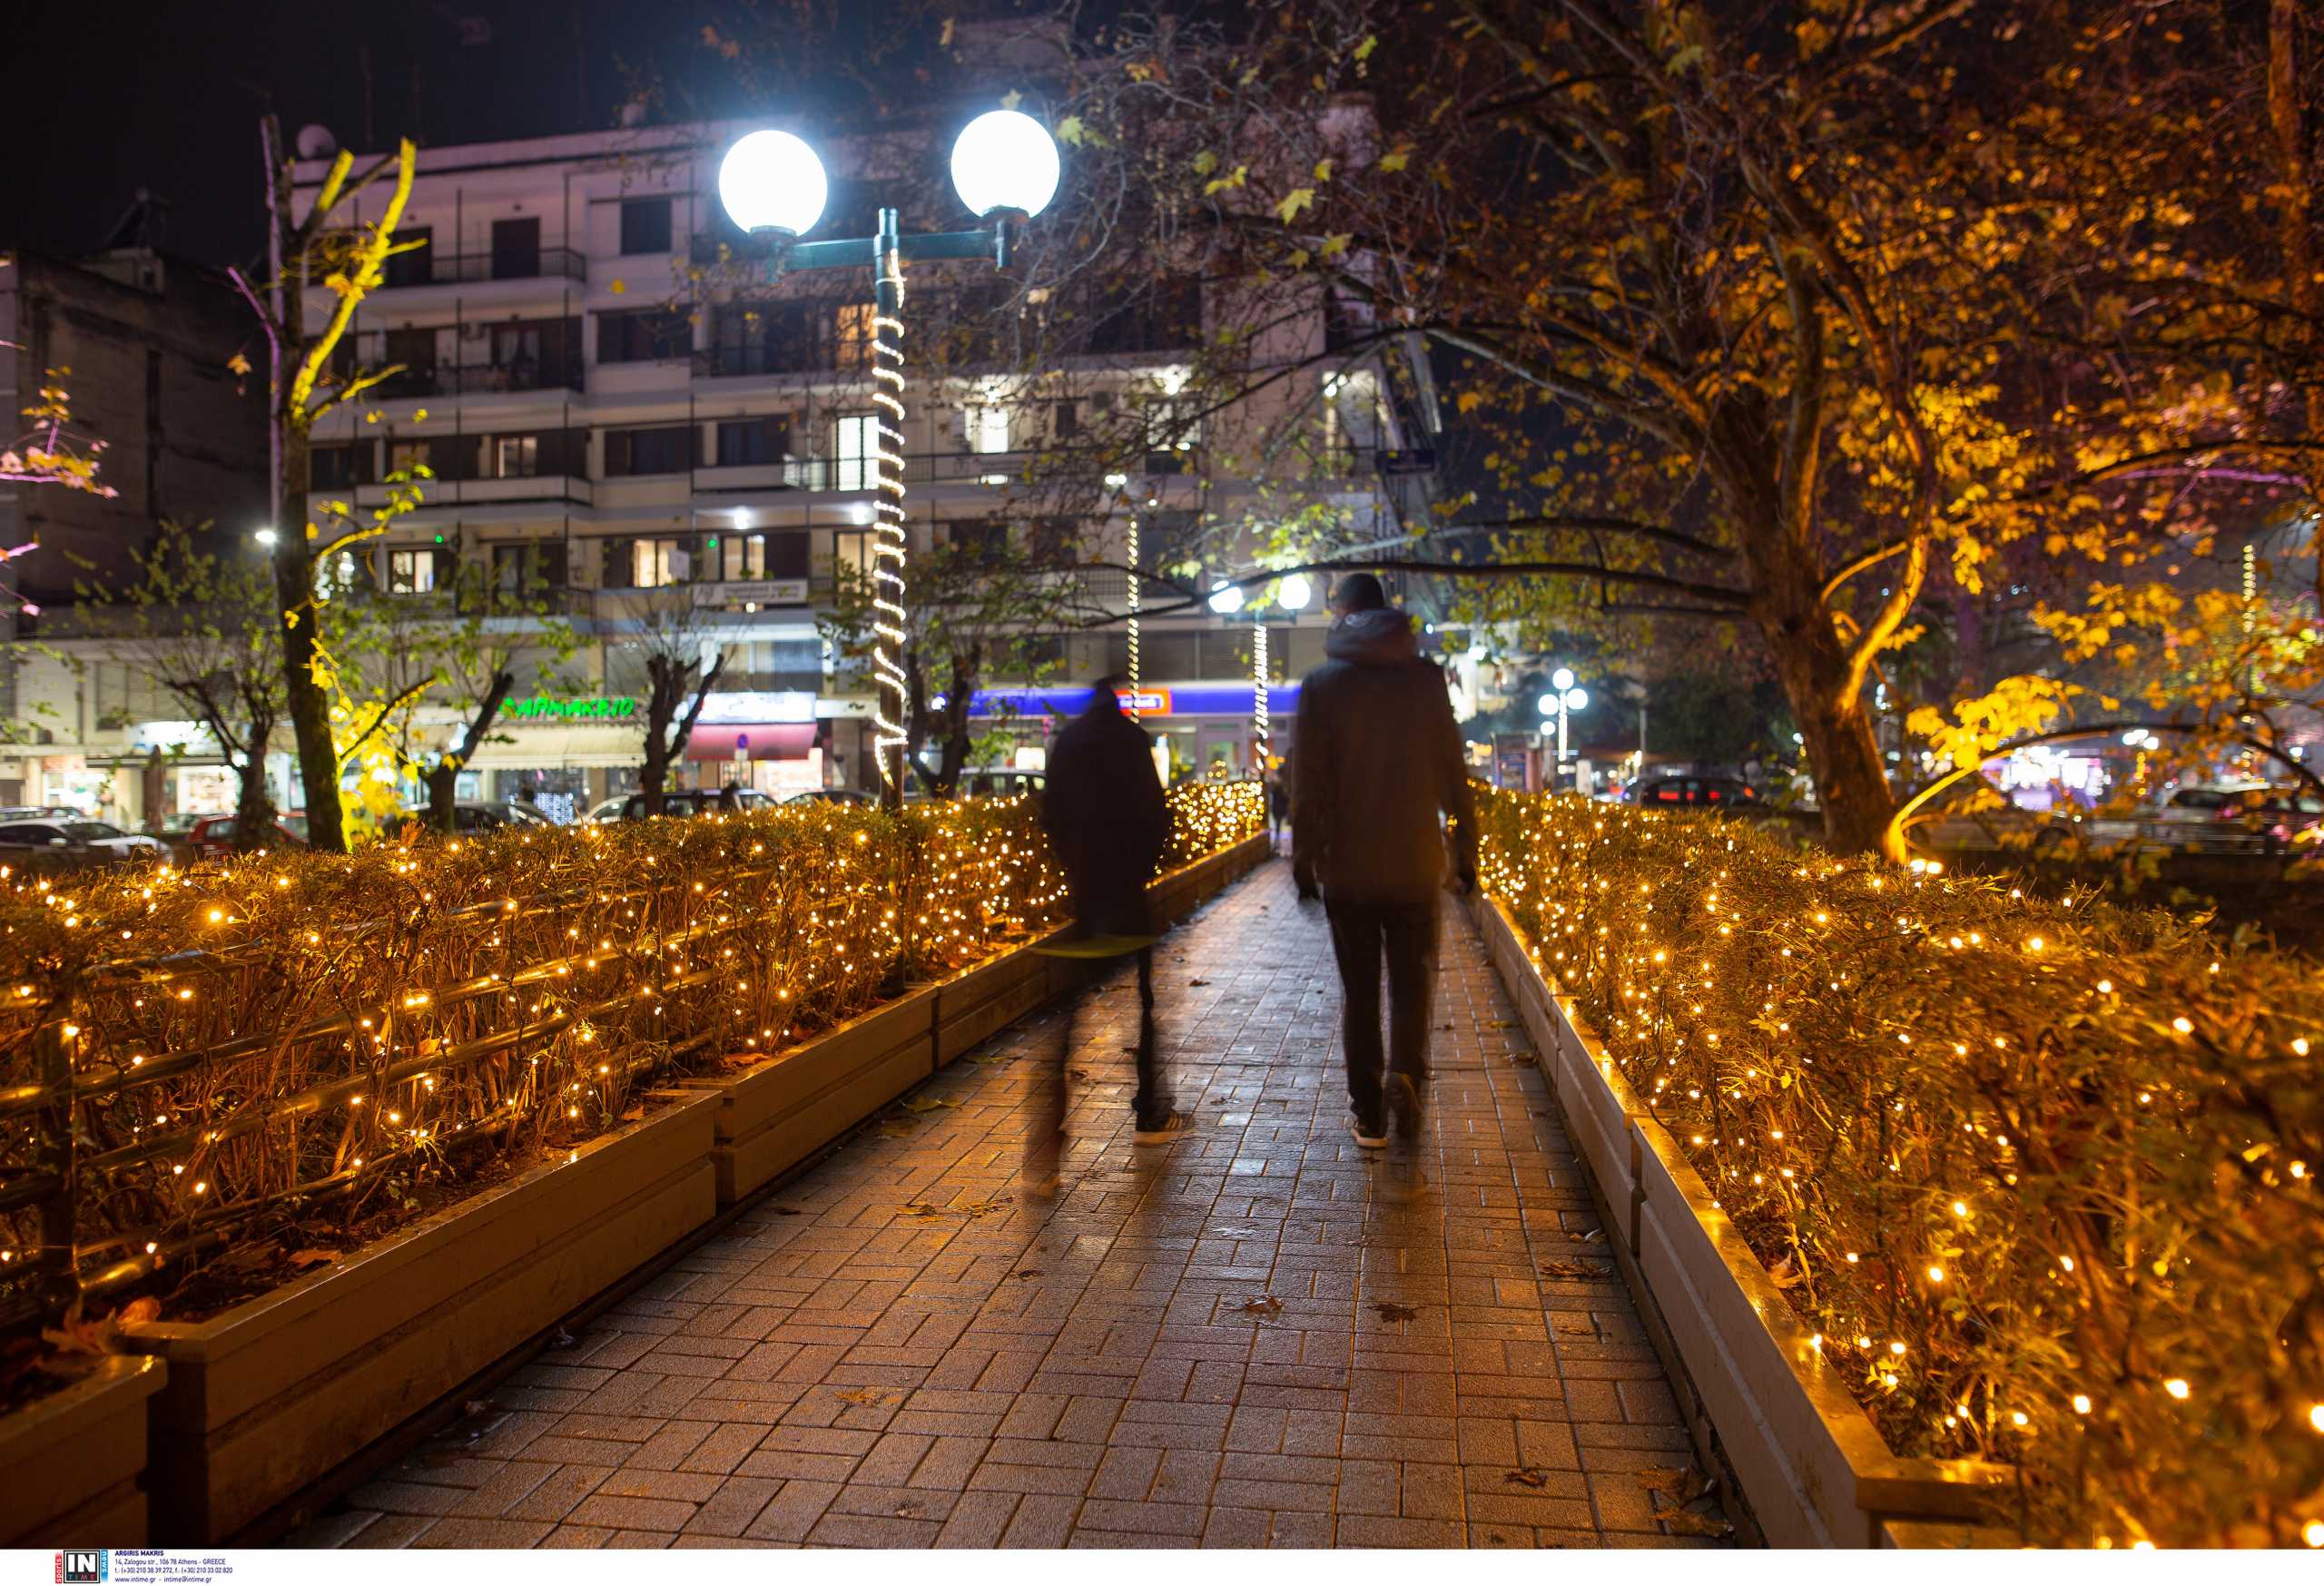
1257,1337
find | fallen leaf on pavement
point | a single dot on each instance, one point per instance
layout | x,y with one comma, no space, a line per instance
1527,1476
1574,1271
868,1396
1265,1306
929,1103
1027,1272
896,1129
1685,1522
1197,982
979,1208
1395,1313
923,1210
1576,1329
1655,1481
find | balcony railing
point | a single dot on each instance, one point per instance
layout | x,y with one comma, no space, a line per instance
522,374
429,267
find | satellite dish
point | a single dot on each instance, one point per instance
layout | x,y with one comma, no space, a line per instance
316,143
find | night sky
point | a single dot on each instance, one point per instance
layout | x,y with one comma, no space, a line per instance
111,95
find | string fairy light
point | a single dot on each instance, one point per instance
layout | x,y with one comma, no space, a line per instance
1932,1162
1133,603
890,538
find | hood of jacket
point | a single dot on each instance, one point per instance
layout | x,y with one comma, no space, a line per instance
1373,637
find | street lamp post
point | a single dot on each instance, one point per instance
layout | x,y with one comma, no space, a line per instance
772,185
1562,699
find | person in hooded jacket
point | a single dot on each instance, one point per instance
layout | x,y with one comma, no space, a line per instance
1379,763
1107,824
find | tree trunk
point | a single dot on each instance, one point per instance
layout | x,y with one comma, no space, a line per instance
294,555
443,777
254,811
954,719
661,705
440,778
309,704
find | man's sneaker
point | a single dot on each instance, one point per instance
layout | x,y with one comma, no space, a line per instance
1042,1188
1170,1128
1369,1138
1404,1107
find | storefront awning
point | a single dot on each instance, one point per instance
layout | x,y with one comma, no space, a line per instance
779,741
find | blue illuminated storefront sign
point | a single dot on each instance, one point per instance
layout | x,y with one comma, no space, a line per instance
1185,699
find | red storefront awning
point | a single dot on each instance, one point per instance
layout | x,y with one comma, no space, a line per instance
781,741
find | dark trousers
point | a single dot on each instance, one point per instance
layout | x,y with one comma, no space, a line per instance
1406,933
1153,1105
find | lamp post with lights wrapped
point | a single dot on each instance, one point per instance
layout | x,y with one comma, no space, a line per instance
1005,168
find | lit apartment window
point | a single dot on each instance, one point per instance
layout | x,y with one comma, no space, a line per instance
855,443
984,430
852,345
516,456
851,557
411,572
741,556
654,563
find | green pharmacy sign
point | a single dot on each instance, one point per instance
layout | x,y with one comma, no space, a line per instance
540,707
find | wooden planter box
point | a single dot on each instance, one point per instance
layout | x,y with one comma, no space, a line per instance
262,1399
71,1465
1808,1460
775,1115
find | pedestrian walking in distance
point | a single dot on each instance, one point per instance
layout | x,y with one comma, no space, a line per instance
1278,811
1107,824
1379,764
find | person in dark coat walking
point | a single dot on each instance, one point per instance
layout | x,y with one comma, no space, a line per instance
1278,810
1108,826
1378,765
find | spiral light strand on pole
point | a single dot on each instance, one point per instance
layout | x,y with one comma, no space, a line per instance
890,541
1259,692
1132,616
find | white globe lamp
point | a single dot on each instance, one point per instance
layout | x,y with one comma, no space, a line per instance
1561,679
772,182
1005,159
1227,599
1294,592
1547,705
1576,699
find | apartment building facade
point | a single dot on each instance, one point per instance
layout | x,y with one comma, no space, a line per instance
599,401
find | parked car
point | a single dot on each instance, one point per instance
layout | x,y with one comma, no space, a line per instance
999,784
48,846
121,844
1695,791
694,801
833,795
478,815
43,812
608,809
215,835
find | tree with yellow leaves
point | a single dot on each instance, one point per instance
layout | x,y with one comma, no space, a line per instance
1772,315
303,252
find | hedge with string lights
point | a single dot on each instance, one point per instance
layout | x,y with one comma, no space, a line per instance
255,1043
2041,1175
